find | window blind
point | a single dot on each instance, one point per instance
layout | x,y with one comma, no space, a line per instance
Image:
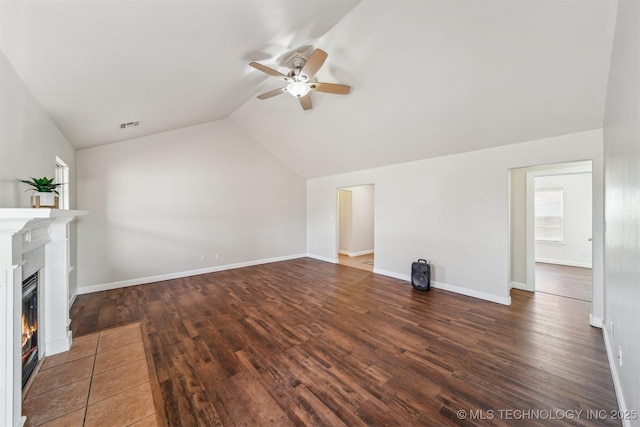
548,213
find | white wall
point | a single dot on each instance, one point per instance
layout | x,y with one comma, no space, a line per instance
363,219
622,200
452,210
575,248
29,141
29,144
356,206
160,203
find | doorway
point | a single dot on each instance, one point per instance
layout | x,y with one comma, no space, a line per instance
563,229
356,226
522,274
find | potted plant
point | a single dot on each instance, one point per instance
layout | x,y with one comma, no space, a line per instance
46,195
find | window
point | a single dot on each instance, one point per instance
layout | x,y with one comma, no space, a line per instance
549,215
62,177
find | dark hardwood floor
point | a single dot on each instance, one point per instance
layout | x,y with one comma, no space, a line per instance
564,280
305,342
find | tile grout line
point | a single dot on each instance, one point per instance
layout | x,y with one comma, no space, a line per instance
92,373
90,380
93,367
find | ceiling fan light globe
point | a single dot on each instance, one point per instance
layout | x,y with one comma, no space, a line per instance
298,89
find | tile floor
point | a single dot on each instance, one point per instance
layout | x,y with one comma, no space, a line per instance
102,381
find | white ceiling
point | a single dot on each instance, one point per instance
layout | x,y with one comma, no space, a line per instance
428,78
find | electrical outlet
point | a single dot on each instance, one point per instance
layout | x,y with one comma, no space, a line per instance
203,258
620,355
218,257
613,332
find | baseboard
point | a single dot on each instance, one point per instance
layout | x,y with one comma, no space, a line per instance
451,288
613,367
471,293
562,262
58,346
73,298
179,275
321,258
596,322
521,286
405,277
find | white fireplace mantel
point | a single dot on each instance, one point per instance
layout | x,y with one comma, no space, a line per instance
24,233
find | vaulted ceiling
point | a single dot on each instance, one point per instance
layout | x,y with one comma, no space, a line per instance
428,78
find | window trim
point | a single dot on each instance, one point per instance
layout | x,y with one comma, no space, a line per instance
62,177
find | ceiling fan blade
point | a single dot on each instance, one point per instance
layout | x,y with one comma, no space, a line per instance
272,93
314,63
269,71
305,101
330,88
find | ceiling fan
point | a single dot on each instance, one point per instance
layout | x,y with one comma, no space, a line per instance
298,80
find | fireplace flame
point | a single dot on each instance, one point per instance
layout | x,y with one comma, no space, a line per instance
27,335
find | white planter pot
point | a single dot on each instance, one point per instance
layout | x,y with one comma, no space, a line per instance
44,200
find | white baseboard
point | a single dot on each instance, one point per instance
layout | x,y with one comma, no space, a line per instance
179,275
522,286
360,253
321,258
451,288
471,293
613,367
596,322
58,346
405,277
73,297
563,262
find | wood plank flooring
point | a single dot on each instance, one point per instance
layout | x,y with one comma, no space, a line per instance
305,342
564,280
362,262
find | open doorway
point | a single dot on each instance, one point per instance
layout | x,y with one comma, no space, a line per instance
563,234
529,256
522,253
356,226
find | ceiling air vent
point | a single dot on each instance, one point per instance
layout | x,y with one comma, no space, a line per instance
129,124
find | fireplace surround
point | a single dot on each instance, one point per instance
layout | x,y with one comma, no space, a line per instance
32,241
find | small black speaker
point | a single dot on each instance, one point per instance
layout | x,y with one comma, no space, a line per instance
421,275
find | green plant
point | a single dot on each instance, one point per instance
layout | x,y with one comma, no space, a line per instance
42,185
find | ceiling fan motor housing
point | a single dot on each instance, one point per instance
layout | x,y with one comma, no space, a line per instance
297,64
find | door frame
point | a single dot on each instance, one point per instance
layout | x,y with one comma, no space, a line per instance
597,228
530,250
337,216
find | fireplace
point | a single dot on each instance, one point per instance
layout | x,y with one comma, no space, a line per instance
32,240
29,326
